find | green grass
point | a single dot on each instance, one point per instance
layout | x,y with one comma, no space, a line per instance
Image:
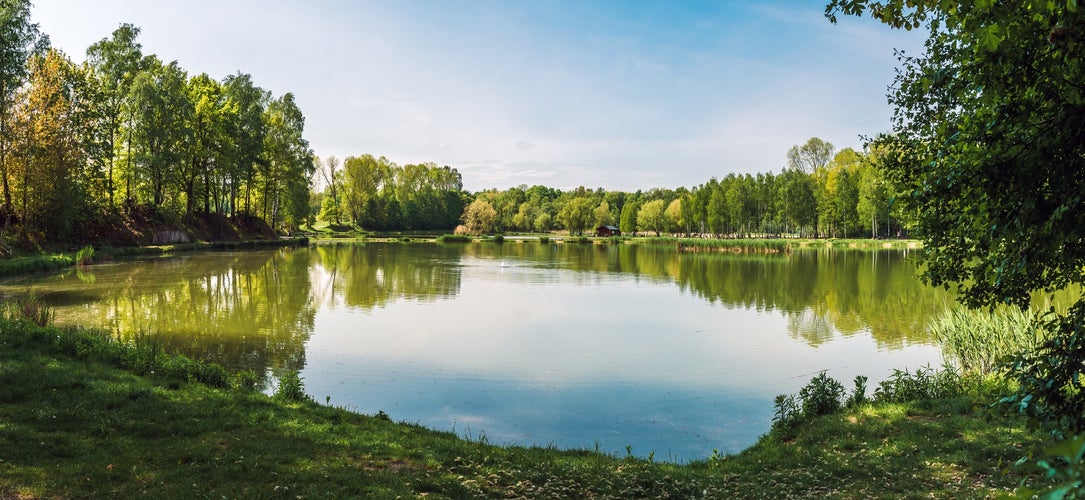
978,340
78,420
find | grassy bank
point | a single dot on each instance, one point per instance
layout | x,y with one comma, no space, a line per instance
30,264
82,416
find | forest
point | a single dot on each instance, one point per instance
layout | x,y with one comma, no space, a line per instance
821,192
125,139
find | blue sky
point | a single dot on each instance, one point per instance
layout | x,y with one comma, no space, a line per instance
614,94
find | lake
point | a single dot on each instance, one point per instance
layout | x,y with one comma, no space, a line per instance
567,345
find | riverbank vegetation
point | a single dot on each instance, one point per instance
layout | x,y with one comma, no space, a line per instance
87,416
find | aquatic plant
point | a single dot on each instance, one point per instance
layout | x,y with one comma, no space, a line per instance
978,340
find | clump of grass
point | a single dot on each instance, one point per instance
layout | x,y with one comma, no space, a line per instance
545,240
291,388
979,340
498,239
28,308
85,256
579,239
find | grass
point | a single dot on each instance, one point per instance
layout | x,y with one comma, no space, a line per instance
978,340
84,416
723,245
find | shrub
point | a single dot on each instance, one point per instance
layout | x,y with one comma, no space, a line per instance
291,388
545,240
923,383
822,396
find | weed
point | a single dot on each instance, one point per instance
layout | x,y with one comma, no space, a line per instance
923,383
85,256
822,396
858,395
545,240
291,388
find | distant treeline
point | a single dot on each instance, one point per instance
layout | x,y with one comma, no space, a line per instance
821,193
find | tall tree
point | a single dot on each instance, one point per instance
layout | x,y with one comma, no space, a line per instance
162,119
812,155
576,214
114,63
247,149
650,217
19,39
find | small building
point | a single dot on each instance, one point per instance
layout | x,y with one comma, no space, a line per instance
607,231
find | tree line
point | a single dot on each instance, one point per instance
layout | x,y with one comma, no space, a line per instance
83,144
821,192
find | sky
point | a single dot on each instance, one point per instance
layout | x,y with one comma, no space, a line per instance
623,95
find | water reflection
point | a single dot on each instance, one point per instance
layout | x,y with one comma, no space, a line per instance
530,343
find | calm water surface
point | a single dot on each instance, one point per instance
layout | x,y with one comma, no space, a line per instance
575,346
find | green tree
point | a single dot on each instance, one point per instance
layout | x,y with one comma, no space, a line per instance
161,135
19,39
114,63
650,217
247,144
628,219
576,214
673,215
815,153
988,148
602,214
480,217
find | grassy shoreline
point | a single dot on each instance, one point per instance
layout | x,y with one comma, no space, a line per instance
83,416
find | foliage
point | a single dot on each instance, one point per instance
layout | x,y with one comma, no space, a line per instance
454,238
29,308
291,388
125,133
480,217
980,340
923,383
988,149
824,395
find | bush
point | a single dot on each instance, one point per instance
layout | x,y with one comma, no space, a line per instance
822,396
291,388
924,383
545,240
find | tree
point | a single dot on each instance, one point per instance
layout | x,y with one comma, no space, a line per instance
809,157
651,218
673,215
162,119
114,63
602,214
19,40
46,153
480,217
628,219
988,148
576,214
329,207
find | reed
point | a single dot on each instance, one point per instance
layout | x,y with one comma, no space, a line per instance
978,340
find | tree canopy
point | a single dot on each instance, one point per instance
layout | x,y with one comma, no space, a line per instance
988,147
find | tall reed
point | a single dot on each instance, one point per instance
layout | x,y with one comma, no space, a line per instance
977,340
